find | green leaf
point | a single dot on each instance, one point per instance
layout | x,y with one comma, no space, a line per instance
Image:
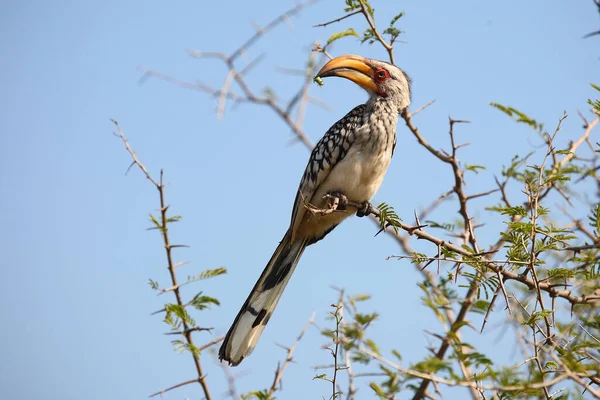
396,18
448,254
536,316
258,395
388,217
175,218
157,225
368,7
153,284
432,365
512,211
211,273
480,307
566,151
595,219
418,258
201,302
519,116
595,103
378,390
352,5
393,31
561,273
372,346
551,365
444,225
360,297
474,168
342,34
541,210
369,36
180,313
467,248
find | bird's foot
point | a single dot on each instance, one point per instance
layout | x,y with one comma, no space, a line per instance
365,209
337,201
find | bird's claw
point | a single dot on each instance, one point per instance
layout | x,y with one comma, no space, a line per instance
365,209
337,201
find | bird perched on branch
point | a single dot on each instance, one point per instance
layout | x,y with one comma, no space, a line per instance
348,163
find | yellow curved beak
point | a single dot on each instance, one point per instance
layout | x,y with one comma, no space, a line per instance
352,67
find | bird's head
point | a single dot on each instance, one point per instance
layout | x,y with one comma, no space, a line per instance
383,81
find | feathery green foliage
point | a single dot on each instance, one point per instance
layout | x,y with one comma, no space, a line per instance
342,34
388,217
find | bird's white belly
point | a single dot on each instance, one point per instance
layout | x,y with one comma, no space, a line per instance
359,175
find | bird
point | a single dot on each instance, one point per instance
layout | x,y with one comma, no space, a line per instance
348,163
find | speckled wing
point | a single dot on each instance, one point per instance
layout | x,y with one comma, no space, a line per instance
330,150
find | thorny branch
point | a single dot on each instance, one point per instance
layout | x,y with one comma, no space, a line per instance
347,359
336,346
187,330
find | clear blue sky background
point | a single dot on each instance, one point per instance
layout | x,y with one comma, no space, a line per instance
76,257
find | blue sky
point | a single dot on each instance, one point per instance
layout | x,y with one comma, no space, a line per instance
76,255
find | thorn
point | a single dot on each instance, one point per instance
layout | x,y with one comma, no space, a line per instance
129,168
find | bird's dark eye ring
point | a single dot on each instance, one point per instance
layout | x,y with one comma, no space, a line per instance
381,74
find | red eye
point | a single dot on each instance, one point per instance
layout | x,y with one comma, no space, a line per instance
381,75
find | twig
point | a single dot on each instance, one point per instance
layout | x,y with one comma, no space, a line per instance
174,387
231,388
418,110
575,145
288,357
336,346
338,19
415,131
388,47
187,330
194,329
261,31
211,343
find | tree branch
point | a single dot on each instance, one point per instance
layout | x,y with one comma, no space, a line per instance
288,358
187,330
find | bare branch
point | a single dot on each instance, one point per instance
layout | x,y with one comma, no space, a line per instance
418,110
288,358
575,145
338,19
174,387
262,31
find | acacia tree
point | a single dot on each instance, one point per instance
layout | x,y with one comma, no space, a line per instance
541,273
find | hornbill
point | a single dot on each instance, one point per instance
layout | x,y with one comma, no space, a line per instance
348,163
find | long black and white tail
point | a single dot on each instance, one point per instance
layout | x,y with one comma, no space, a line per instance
256,311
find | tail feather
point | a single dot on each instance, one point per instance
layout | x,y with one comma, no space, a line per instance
256,311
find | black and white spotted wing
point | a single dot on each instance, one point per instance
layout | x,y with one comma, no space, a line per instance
330,150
